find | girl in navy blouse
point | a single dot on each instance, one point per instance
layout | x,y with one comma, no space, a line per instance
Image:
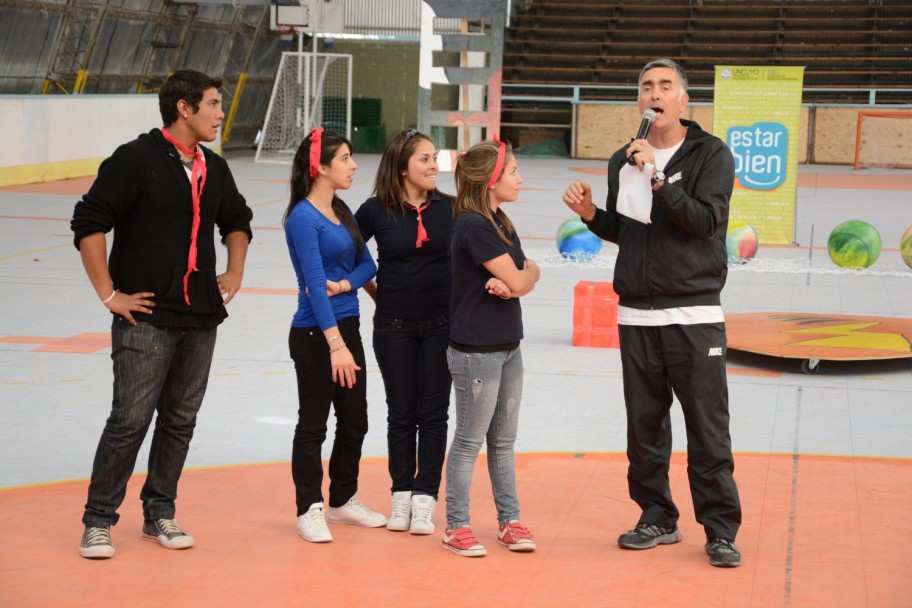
412,224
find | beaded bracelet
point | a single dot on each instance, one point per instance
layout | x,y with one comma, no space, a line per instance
337,349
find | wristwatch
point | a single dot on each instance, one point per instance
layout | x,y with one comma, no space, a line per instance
658,177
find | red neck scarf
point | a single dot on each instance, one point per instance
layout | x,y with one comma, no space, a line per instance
197,181
422,233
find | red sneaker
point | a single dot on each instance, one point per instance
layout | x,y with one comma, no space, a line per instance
462,542
516,537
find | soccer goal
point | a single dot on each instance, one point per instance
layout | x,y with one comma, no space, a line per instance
883,139
311,90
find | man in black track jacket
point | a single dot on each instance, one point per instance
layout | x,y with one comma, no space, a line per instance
667,210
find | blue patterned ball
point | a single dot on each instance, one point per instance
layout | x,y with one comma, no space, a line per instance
575,242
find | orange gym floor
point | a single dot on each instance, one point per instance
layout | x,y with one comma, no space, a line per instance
818,531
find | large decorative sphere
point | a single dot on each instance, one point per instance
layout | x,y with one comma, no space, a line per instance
905,246
854,244
741,242
576,242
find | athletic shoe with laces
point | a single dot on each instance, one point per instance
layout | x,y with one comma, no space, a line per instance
647,536
167,533
401,512
515,537
312,525
462,542
422,514
355,513
96,543
723,553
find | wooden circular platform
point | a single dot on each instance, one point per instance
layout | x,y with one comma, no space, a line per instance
817,337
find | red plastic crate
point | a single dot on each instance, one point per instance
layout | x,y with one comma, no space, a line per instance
595,307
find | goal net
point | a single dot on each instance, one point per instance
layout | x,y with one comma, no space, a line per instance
310,90
883,140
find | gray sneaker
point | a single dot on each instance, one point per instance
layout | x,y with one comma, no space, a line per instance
647,536
96,543
167,533
723,553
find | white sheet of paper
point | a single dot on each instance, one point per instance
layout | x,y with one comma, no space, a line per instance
635,193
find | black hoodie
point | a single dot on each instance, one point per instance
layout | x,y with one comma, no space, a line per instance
142,192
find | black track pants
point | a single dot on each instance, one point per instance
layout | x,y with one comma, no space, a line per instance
689,362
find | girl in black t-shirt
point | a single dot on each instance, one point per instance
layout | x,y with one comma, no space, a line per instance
491,273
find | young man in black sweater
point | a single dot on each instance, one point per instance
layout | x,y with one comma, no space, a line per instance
162,195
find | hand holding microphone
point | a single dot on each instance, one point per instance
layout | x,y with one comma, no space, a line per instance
649,117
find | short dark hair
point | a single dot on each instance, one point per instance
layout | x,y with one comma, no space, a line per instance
188,85
665,63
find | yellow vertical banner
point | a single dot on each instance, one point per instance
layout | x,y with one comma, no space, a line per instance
757,112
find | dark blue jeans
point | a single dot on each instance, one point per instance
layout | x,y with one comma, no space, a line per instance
156,369
412,359
316,392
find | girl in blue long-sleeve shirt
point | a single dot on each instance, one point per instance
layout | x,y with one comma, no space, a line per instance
331,263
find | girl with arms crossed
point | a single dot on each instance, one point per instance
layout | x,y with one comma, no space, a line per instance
484,357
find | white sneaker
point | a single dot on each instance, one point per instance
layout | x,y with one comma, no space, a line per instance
401,513
356,513
312,525
422,514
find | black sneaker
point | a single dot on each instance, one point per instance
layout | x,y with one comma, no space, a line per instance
96,543
167,533
647,536
723,553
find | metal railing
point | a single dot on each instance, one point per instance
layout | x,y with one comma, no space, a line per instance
574,93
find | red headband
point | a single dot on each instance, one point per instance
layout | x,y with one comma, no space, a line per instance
316,145
498,167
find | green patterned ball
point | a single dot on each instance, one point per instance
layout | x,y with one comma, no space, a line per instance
854,244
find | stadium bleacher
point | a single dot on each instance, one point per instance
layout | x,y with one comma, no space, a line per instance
848,48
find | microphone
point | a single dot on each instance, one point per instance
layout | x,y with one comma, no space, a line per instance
648,117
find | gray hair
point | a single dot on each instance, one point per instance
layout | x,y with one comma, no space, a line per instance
665,63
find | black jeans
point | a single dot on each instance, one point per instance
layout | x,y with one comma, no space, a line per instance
161,370
412,359
688,360
316,392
